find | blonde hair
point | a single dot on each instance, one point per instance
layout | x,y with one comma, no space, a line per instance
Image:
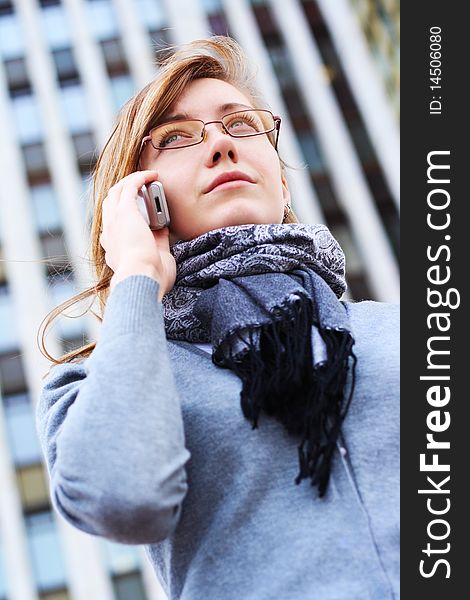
217,57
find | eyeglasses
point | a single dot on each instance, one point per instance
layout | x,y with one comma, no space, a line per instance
183,134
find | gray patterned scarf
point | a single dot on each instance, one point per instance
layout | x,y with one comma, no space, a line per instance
266,297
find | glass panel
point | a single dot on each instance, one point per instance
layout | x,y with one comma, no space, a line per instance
33,487
46,551
62,289
9,338
55,253
74,108
57,595
12,373
45,207
152,13
120,558
3,575
56,27
311,152
11,37
212,5
102,19
67,71
35,160
17,77
122,88
27,118
129,587
114,56
85,147
21,430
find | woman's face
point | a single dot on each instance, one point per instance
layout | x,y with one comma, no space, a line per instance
187,174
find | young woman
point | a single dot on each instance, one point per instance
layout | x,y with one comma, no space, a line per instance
228,378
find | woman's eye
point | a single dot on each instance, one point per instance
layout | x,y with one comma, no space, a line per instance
244,124
170,139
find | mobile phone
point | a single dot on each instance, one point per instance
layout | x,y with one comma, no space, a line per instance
153,206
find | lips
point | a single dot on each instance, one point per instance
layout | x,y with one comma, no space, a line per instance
229,176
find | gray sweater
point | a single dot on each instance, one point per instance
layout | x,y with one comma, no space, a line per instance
145,443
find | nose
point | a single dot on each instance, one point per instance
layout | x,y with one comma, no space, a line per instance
220,145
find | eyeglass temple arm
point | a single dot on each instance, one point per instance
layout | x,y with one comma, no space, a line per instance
277,121
146,139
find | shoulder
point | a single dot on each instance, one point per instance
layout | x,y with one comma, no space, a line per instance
370,319
376,332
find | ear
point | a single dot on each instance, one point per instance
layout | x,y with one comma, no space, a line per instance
173,238
285,190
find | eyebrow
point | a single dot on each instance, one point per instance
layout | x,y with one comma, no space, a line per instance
222,108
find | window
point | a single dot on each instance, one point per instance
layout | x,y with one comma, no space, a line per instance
122,88
22,437
11,373
34,156
17,77
9,338
152,13
56,26
102,19
27,118
114,56
6,7
120,558
85,148
159,38
3,576
33,488
62,289
218,24
74,109
45,208
129,586
46,553
282,66
311,152
57,595
53,248
67,72
212,6
11,37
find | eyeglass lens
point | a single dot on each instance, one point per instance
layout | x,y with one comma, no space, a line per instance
179,134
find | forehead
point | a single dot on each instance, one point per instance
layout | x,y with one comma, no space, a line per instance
206,97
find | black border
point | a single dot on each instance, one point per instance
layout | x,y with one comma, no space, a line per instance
420,134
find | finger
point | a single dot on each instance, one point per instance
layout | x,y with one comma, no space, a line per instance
162,239
133,182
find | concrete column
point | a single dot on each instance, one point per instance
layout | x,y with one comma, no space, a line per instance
140,54
187,20
92,68
21,249
58,145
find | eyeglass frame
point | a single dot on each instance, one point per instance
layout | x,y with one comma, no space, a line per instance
276,119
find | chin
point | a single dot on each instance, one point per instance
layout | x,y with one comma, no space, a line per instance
243,215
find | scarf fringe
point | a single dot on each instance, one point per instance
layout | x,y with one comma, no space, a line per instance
278,376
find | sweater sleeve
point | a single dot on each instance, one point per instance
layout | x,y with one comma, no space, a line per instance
111,426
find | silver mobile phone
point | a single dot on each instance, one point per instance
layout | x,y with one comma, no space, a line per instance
153,206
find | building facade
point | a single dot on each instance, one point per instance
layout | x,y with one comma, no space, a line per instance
328,67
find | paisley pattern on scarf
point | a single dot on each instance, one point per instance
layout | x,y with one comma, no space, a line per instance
241,250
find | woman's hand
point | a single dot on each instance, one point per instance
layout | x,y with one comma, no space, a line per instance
132,248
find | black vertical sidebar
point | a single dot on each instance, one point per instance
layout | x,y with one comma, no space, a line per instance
435,330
